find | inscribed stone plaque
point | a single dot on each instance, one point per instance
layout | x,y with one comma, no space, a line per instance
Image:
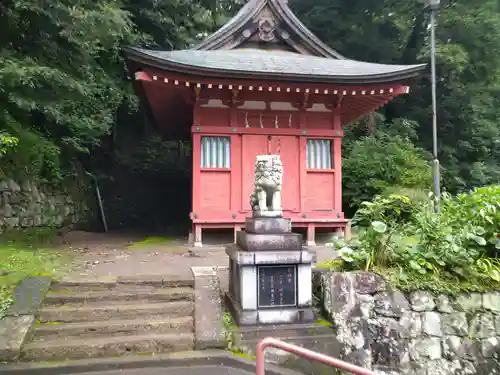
277,286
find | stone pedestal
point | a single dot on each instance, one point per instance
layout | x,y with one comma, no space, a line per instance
269,274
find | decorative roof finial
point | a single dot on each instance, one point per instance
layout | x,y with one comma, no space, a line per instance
267,27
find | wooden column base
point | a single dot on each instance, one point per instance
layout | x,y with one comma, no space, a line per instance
197,236
311,235
237,228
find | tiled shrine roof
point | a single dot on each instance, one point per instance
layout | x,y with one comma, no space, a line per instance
276,65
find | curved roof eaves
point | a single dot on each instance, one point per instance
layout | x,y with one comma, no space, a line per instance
275,63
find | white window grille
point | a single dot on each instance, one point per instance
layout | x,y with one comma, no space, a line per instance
319,154
215,152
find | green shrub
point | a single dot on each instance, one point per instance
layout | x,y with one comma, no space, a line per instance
392,209
375,163
7,143
27,154
418,196
481,208
407,241
437,245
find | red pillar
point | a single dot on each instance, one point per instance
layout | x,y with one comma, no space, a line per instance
337,160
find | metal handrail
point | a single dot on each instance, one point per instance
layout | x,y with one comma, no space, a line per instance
305,353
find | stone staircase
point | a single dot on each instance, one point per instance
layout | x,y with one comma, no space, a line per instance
87,319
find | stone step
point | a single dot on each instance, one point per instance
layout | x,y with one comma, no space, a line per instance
107,312
119,296
111,328
47,350
282,330
120,283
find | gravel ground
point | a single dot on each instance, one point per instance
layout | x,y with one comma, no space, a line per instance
117,254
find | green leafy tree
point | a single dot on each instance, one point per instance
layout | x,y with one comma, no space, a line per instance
377,162
63,88
468,45
61,75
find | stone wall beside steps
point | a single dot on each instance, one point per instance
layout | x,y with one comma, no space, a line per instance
30,205
384,329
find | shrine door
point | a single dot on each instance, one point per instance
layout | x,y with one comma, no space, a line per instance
288,149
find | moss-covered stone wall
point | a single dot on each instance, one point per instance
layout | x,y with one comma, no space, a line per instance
385,329
25,204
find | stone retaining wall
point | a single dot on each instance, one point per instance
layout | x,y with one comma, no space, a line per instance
28,205
382,328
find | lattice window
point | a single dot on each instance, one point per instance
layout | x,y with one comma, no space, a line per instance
319,154
215,152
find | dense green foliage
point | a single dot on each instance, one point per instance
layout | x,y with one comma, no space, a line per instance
64,93
375,163
62,78
450,250
468,43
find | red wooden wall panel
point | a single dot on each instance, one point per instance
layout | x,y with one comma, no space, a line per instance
320,191
215,189
222,193
213,116
319,120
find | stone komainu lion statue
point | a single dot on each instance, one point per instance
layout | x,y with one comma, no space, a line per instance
267,184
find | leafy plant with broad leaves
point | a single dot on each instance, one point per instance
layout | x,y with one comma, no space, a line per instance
413,242
481,208
435,245
489,267
392,209
373,247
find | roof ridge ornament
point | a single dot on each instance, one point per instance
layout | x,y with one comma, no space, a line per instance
267,28
285,29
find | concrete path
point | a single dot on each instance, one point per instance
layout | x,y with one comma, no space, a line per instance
205,362
115,254
196,370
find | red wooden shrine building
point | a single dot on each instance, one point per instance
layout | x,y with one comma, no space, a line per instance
263,83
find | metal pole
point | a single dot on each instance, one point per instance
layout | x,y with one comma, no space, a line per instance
436,176
99,201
